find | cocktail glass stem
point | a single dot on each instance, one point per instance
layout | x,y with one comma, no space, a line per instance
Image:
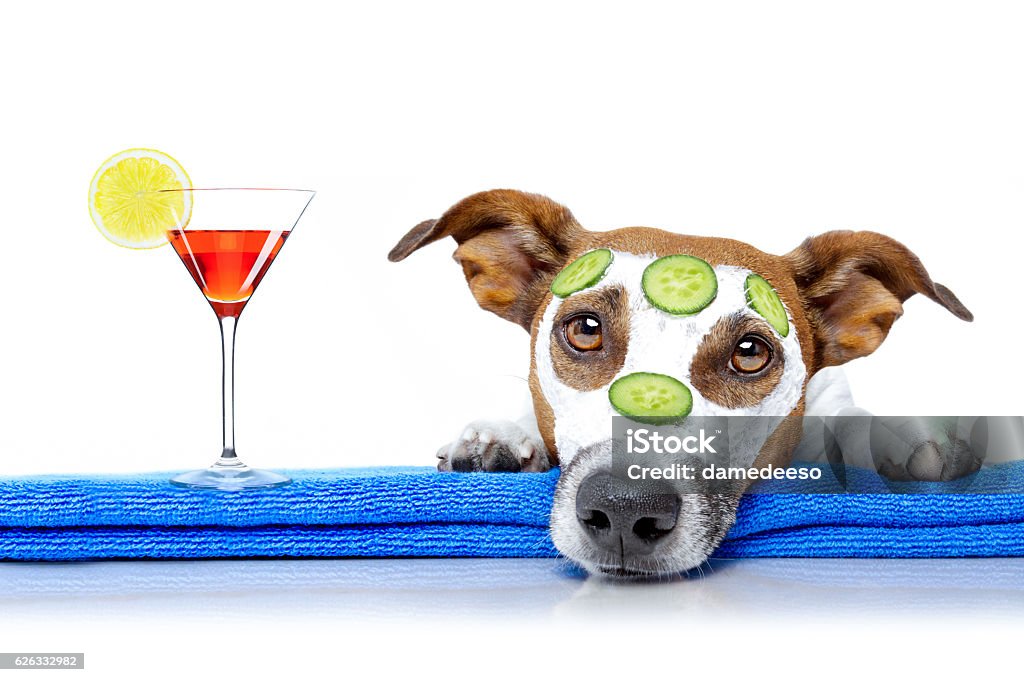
228,325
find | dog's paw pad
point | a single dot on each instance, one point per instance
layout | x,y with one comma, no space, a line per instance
926,463
533,457
493,446
933,461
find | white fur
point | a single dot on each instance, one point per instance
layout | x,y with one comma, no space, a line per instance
658,342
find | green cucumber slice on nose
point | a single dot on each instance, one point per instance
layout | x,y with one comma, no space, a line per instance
681,285
584,272
650,398
763,298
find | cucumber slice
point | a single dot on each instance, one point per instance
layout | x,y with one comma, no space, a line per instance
763,298
584,272
651,398
681,285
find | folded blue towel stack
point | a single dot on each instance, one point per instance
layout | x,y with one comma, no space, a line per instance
415,511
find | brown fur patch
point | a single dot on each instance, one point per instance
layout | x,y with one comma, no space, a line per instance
857,321
590,370
498,273
712,375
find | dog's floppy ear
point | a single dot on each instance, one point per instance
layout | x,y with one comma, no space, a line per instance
511,244
854,284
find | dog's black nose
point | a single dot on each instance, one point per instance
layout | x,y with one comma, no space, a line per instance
622,516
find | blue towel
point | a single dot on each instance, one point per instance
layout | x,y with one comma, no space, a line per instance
415,511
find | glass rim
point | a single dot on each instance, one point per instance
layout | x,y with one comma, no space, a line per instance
222,189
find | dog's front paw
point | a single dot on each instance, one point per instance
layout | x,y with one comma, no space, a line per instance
494,446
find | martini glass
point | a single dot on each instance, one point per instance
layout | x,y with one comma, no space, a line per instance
227,238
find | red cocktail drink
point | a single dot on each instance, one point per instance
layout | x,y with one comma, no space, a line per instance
227,264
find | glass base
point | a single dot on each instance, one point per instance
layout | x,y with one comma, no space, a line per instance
230,475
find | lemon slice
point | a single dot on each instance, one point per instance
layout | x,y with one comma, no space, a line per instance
129,218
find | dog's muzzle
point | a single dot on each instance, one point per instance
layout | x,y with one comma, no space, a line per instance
613,524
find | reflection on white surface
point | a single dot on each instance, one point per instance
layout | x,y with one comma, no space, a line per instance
402,589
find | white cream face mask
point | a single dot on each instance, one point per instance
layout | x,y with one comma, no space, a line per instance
661,342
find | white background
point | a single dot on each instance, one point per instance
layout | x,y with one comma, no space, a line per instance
764,122
765,125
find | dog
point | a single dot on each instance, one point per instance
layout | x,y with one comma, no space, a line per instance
840,292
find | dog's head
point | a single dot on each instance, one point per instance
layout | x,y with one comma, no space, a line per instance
692,323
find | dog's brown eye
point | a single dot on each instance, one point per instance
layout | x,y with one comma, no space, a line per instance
751,354
583,332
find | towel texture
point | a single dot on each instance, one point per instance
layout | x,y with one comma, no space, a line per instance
415,511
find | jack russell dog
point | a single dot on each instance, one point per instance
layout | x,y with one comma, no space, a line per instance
596,321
